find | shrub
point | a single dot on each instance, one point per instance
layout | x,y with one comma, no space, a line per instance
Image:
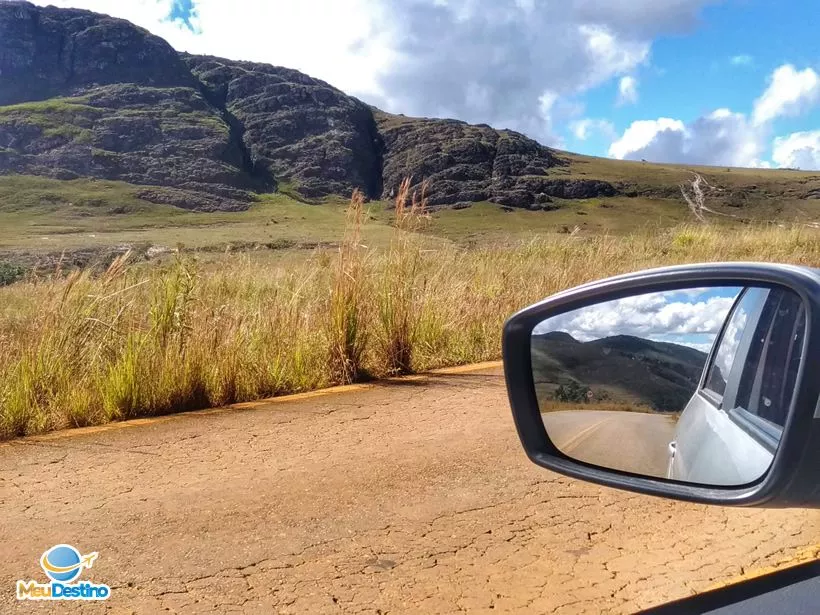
9,274
572,393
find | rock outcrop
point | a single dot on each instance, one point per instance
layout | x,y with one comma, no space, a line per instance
86,95
461,162
295,127
47,52
138,134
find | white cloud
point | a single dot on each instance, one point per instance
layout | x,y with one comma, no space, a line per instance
609,54
627,317
800,150
743,59
670,317
790,92
477,60
627,91
724,137
641,136
720,138
587,127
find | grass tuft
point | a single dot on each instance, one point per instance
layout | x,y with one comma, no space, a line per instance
347,331
397,293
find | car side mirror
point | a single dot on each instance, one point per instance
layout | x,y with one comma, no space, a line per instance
696,383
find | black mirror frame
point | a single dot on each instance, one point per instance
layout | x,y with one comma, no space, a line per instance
793,478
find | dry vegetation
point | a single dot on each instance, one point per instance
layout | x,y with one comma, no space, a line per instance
551,405
80,349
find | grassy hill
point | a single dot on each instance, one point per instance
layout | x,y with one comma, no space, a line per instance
620,368
41,215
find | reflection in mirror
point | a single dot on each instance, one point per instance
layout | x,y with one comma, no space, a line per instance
627,384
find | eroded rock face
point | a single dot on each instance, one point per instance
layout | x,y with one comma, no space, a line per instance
86,95
296,127
467,163
46,52
142,135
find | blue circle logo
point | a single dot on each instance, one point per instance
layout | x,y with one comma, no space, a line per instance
62,563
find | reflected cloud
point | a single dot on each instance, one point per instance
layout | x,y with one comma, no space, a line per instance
690,317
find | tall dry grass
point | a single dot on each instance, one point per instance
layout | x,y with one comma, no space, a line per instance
397,289
346,327
86,349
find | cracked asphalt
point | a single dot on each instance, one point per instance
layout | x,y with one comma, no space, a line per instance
411,496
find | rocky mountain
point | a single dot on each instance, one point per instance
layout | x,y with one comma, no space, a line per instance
87,95
623,367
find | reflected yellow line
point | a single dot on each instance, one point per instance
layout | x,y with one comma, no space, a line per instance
576,439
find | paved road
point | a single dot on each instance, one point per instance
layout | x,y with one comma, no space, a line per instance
631,441
411,497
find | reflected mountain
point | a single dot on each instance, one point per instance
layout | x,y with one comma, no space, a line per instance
621,368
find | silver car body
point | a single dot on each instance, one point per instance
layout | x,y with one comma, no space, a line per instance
711,448
717,441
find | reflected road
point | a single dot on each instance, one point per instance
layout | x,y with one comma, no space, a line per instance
629,441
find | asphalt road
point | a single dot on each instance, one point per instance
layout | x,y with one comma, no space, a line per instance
411,497
630,441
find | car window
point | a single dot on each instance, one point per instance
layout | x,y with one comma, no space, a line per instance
724,359
768,378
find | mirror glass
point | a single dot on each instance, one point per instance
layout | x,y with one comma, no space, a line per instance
691,385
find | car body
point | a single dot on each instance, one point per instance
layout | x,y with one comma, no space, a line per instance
729,431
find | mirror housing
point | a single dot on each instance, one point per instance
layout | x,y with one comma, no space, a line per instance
793,478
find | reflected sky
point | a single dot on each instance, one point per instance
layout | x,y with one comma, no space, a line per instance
690,317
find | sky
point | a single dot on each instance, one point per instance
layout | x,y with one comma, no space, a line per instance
723,82
691,317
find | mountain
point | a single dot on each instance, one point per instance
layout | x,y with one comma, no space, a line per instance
84,95
626,368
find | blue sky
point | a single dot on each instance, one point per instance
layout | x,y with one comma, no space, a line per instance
724,82
182,10
723,62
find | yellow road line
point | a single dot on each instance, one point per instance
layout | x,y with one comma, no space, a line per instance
153,420
576,439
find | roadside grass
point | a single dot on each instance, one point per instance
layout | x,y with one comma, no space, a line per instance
397,292
563,406
83,348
